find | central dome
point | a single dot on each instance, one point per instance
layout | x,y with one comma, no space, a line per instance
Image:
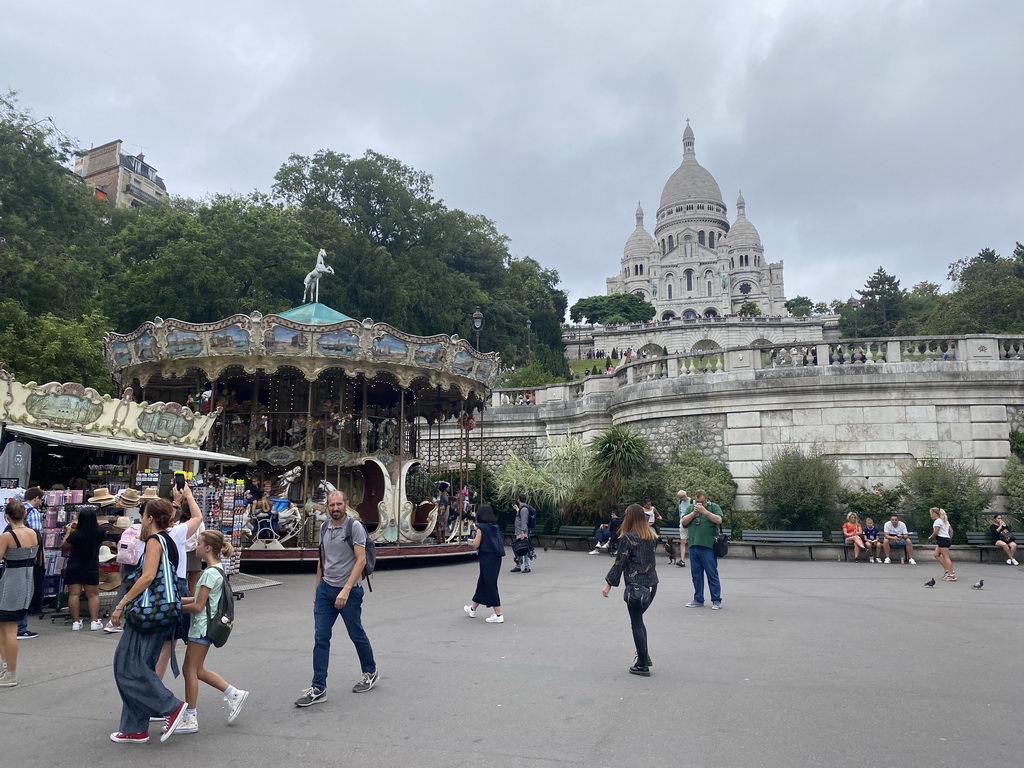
690,180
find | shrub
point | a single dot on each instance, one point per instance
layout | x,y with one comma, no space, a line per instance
690,469
878,503
952,485
1017,443
1013,486
799,491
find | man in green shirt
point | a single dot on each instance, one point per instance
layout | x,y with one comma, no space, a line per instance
701,526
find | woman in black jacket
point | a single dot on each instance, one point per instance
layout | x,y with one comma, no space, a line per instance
635,561
491,548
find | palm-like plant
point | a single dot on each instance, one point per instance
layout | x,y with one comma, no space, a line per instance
616,454
554,481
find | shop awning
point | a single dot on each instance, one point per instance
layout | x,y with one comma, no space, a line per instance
120,445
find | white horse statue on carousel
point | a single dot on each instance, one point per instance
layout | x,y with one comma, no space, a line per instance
311,285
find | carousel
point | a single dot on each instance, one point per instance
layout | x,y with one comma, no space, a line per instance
318,401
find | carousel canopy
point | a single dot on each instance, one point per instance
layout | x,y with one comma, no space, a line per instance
314,314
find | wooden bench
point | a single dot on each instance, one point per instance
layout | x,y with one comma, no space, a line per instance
566,533
839,540
535,534
981,542
784,540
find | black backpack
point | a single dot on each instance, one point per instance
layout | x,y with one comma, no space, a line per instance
219,624
531,516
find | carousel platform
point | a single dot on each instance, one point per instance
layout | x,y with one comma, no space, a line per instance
384,552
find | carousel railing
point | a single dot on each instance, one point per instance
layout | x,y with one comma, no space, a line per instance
298,431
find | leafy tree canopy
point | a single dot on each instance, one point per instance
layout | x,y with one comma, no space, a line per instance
800,306
617,308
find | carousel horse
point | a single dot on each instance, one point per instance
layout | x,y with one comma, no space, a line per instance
281,518
311,285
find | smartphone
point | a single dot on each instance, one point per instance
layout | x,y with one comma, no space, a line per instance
179,481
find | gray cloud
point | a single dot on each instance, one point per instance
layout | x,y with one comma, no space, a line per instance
861,133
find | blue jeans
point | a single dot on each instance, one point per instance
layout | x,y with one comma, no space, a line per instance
703,561
324,616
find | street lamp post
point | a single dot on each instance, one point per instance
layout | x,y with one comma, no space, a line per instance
478,323
529,346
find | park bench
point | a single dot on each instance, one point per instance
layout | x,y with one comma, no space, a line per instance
784,540
535,534
567,533
981,542
839,540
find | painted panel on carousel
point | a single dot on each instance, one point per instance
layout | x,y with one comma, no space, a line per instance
341,343
183,343
429,355
62,407
145,347
387,347
286,341
483,370
229,341
165,424
121,354
463,363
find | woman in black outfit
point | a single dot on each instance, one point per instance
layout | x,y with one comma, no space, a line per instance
82,541
635,561
491,548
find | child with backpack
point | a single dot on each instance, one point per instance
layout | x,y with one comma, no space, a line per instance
213,613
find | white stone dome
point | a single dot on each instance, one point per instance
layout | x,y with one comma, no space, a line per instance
690,180
641,241
742,233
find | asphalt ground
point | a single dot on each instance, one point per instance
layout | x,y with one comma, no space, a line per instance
809,664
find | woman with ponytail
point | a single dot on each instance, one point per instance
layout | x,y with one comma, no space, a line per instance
210,547
942,532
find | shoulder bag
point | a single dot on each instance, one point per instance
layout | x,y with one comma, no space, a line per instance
721,543
637,595
159,607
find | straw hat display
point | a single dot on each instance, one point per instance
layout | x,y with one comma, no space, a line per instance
148,494
102,497
107,553
129,498
122,523
109,580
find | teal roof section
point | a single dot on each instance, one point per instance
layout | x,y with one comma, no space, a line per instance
314,314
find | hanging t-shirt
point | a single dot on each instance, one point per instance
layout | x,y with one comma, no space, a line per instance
16,461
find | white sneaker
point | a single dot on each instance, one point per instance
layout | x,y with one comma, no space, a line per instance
1009,562
496,619
912,561
94,625
111,629
1014,562
469,611
593,552
189,724
75,626
235,702
871,559
887,561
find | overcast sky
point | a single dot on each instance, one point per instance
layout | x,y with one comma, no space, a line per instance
861,133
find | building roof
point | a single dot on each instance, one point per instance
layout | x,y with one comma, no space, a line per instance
314,314
690,180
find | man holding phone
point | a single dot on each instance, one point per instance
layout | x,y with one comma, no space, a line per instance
700,523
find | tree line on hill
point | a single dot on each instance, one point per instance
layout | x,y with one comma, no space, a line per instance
73,267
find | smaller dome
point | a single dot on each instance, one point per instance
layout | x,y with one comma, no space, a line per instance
742,233
640,242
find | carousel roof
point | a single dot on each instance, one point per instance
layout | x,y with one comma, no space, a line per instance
314,314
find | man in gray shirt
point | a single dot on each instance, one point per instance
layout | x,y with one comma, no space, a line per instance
522,532
339,592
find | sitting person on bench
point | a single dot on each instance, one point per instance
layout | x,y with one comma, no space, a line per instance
604,535
613,530
854,534
896,535
872,540
1003,538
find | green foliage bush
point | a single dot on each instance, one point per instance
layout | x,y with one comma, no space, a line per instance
1013,486
690,469
799,491
1017,443
955,486
878,503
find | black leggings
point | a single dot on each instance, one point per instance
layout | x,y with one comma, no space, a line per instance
636,621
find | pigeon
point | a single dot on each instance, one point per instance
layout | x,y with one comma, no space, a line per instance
930,583
979,585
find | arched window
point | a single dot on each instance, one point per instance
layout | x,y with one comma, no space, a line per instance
732,263
641,269
663,246
689,280
711,239
669,290
709,287
671,243
757,261
700,237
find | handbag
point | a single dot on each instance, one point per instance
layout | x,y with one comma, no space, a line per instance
721,543
159,607
637,595
520,546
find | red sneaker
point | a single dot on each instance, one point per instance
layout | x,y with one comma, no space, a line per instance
173,721
130,738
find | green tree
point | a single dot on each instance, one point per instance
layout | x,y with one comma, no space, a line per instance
617,308
988,296
615,455
799,491
952,485
799,306
750,309
690,470
48,348
1013,486
879,310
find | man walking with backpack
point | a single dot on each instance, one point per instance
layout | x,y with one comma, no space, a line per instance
522,547
339,592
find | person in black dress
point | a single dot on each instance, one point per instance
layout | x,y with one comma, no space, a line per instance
491,548
82,541
634,561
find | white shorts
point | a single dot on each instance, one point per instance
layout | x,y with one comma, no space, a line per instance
683,534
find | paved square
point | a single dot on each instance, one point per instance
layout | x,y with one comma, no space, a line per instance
809,664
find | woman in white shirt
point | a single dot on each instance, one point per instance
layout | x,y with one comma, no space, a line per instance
942,532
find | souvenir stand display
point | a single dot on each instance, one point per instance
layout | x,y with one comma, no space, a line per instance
114,477
318,401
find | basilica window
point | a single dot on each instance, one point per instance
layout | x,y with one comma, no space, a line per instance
711,239
663,247
671,243
709,287
745,288
689,279
641,269
700,237
732,263
669,290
